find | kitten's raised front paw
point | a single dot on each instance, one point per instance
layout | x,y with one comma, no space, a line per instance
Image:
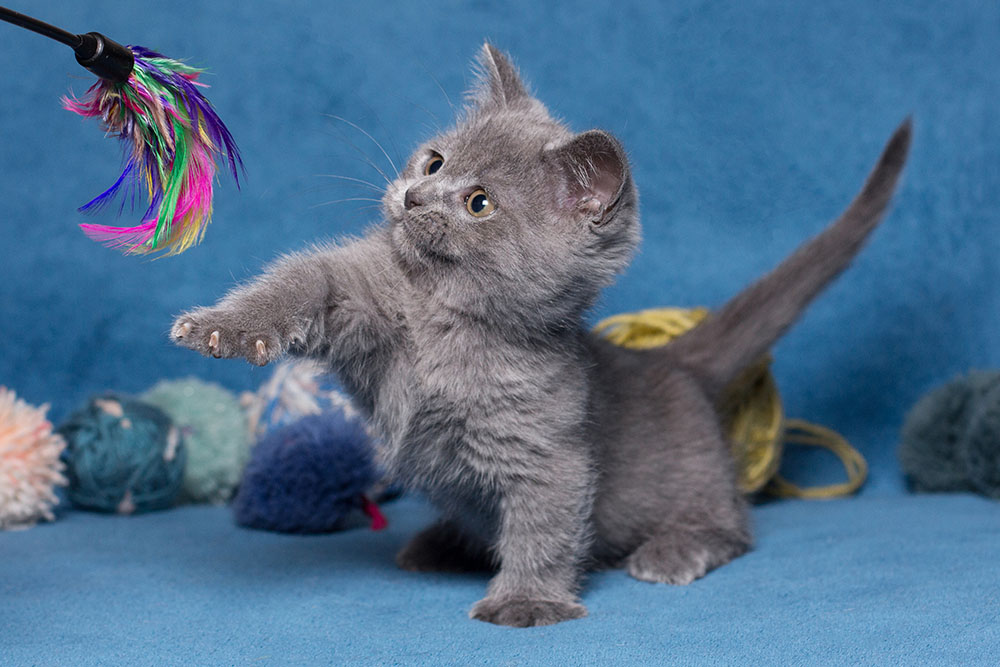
525,612
218,333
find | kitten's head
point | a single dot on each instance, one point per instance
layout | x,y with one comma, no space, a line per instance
510,211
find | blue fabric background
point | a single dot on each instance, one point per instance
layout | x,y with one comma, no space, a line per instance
749,125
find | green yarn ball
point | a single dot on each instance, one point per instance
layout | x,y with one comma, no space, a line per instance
214,428
122,456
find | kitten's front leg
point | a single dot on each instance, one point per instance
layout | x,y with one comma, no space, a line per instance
543,539
262,320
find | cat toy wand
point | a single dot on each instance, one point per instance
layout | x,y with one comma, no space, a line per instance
172,138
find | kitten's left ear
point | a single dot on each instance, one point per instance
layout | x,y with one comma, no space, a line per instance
592,172
499,83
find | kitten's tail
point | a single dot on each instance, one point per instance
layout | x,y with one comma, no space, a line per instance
747,326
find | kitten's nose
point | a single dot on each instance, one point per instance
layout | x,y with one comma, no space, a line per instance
412,198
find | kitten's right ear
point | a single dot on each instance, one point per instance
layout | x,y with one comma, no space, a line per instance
591,175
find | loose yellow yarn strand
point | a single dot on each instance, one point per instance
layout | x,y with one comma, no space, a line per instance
801,432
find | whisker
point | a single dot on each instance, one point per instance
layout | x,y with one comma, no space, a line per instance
353,180
339,201
364,156
438,84
371,164
367,160
392,142
373,140
430,114
325,188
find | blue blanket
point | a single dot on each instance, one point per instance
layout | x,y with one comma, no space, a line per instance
873,580
749,126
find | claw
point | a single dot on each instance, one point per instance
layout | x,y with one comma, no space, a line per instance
213,340
183,330
261,349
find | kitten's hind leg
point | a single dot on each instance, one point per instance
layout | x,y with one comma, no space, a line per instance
704,526
680,556
669,502
444,547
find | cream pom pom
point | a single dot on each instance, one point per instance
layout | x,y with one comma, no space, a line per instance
29,463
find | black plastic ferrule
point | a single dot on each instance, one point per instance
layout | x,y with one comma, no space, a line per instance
105,57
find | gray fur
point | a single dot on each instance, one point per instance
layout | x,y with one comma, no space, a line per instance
547,450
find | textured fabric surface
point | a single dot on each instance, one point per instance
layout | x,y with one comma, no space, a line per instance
872,580
749,126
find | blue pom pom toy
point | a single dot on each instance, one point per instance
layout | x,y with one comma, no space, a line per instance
122,455
951,437
308,476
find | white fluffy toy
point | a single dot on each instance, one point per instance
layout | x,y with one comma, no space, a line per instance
30,467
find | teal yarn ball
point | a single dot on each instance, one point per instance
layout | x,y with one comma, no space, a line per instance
215,432
122,455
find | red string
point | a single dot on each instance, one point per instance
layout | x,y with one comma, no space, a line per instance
374,513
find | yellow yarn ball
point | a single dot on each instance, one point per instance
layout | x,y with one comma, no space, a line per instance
751,409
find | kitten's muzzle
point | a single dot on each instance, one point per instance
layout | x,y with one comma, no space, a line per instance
413,198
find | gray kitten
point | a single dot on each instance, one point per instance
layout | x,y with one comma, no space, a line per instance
458,326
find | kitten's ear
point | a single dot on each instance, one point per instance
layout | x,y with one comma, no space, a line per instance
499,83
592,171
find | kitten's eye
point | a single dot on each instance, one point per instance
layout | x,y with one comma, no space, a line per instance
479,204
433,165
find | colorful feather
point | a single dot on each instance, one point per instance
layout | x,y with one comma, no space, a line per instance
173,141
